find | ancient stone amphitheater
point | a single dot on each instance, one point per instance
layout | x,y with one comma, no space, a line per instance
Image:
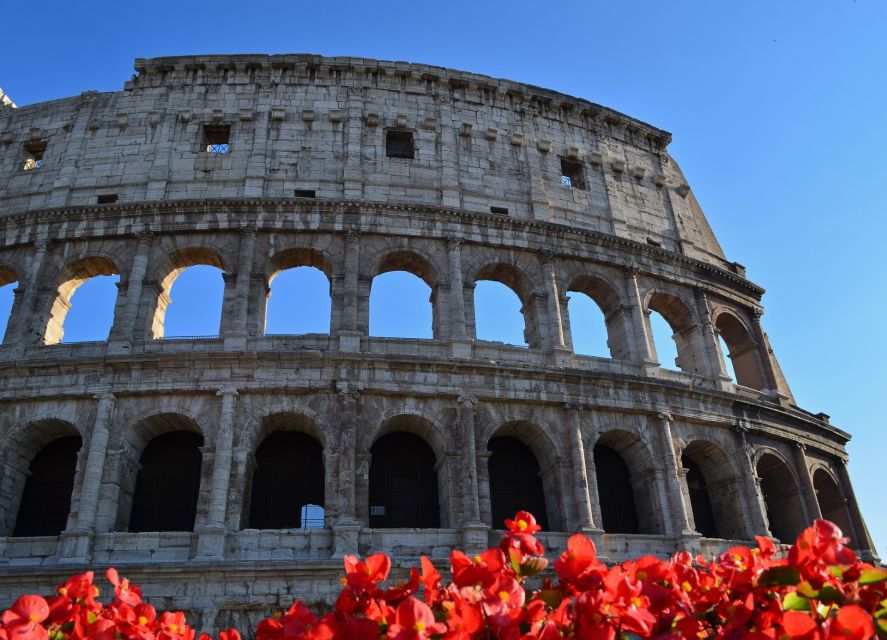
189,463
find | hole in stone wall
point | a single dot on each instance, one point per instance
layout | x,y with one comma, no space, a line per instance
299,302
195,307
728,361
217,138
33,155
107,198
401,306
399,144
305,193
587,326
572,174
92,310
498,315
502,211
666,347
7,297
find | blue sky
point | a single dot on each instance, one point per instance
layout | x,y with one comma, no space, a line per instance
777,111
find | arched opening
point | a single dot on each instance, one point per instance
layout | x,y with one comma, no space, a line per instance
515,481
288,478
832,504
682,331
597,320
700,500
403,297
785,511
715,492
299,302
193,280
168,483
8,285
616,495
504,306
83,308
299,299
403,488
46,499
742,351
728,363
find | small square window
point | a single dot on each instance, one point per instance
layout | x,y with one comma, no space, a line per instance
106,198
305,193
218,138
399,144
33,156
502,211
572,174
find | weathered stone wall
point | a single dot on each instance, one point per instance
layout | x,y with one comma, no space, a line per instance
633,239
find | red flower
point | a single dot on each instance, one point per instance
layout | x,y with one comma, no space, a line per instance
23,620
852,622
363,575
122,590
414,619
578,565
480,570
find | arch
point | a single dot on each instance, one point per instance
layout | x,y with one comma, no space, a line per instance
607,299
8,284
403,486
288,476
515,481
419,266
831,501
171,267
634,467
69,280
782,498
680,318
168,483
713,490
743,351
522,285
45,502
289,260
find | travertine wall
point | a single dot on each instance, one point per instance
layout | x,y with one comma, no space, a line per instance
633,239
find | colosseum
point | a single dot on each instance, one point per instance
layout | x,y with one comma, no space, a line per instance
192,463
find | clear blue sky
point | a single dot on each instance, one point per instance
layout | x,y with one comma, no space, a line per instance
777,111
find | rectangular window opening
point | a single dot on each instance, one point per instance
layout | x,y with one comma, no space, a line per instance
106,198
503,211
305,193
33,155
218,138
399,144
572,174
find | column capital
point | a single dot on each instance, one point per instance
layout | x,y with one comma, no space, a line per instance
757,312
227,391
549,257
352,236
572,406
666,417
42,244
802,447
454,243
248,229
348,390
630,269
467,401
106,395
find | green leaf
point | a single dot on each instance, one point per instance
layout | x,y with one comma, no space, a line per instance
794,602
779,577
829,594
806,589
872,576
551,597
514,558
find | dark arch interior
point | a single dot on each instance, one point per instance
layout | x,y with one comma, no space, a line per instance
288,476
700,501
615,492
46,499
515,483
781,498
403,483
831,501
168,483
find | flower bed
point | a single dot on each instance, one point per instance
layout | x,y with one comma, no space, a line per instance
819,590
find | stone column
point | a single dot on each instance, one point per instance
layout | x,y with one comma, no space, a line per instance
237,334
349,335
122,334
771,376
591,473
470,497
808,492
76,544
642,347
24,327
754,497
553,298
861,539
675,483
715,360
580,471
347,526
461,345
211,541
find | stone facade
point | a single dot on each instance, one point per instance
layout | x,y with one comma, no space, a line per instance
482,198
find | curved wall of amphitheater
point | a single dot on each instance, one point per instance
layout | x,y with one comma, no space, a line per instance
482,198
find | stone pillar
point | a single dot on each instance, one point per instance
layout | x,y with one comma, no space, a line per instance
347,526
808,492
122,334
470,496
591,473
715,360
211,541
772,377
483,487
24,327
580,470
461,345
76,544
353,141
756,509
257,168
236,336
860,536
643,351
349,335
675,483
553,298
